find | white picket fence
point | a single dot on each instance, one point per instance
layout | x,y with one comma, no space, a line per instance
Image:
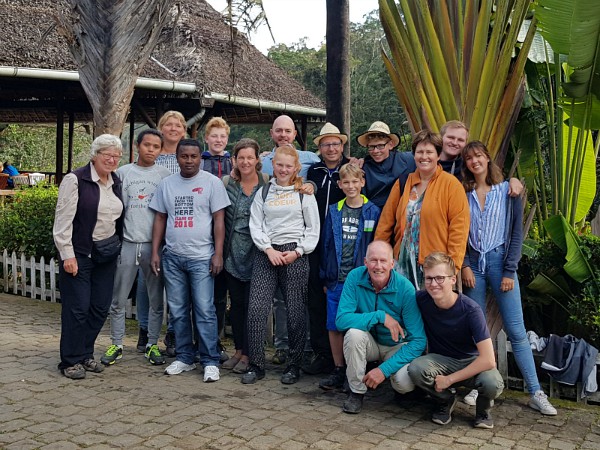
30,278
36,279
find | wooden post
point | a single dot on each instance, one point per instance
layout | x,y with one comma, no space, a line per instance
59,140
71,133
131,131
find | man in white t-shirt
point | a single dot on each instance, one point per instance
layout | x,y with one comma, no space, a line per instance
190,209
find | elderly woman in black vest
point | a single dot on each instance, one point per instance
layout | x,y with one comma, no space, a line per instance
88,228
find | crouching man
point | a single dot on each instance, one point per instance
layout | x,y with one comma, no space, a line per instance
460,347
378,312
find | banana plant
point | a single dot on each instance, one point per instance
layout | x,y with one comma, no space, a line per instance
453,59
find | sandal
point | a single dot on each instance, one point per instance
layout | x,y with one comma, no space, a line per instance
241,367
91,365
76,372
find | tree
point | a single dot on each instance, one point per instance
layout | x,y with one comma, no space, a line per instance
110,42
452,59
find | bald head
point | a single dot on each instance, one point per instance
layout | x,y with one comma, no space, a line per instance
379,261
283,131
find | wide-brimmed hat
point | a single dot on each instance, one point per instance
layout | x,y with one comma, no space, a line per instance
330,130
378,128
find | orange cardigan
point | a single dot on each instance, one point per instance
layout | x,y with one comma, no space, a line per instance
445,217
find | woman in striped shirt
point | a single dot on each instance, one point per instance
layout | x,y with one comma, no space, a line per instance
492,257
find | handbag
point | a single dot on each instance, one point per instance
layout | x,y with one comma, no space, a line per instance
106,250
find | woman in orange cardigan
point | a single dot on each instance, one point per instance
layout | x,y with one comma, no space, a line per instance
431,215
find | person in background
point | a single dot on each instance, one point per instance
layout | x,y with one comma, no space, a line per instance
460,351
325,175
381,321
89,215
11,171
433,213
492,258
284,225
139,182
347,232
190,209
239,249
216,160
384,165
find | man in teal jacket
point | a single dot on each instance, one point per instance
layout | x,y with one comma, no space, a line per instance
379,314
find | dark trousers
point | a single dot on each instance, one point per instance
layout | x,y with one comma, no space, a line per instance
317,309
239,295
85,300
220,300
293,281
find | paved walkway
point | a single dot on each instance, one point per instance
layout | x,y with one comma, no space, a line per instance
133,405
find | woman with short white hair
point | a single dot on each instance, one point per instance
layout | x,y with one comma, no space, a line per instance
88,229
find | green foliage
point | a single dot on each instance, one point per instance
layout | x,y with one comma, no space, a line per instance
33,147
26,221
551,295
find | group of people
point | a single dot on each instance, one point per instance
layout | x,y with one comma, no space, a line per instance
358,258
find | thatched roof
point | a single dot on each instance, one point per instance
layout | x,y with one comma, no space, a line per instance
195,47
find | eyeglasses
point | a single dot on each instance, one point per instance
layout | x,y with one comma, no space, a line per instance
440,279
332,145
377,147
108,156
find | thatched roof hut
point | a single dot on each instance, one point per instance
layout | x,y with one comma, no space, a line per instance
199,67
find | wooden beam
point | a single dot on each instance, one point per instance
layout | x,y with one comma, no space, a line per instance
59,140
71,133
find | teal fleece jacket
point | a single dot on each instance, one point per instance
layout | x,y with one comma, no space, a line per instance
361,308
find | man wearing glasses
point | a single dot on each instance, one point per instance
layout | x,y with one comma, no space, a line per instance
459,344
325,175
384,165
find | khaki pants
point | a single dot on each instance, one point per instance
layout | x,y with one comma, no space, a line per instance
361,347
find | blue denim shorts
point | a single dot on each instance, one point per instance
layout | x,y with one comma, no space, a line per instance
333,300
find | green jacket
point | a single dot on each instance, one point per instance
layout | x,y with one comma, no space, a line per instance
361,308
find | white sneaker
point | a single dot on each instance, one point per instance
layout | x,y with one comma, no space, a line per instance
471,398
539,402
211,373
177,367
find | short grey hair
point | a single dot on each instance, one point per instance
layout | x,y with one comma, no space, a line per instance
106,141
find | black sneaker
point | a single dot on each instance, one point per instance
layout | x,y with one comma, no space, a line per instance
170,343
484,421
318,364
142,340
443,415
254,374
291,374
353,404
335,380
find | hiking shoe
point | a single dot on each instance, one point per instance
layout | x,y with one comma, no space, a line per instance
112,354
443,415
76,372
539,402
142,340
484,421
280,356
335,380
353,403
253,374
170,343
291,374
91,365
211,373
223,356
318,364
153,355
177,367
471,398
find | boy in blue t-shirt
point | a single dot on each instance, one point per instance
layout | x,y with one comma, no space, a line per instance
349,229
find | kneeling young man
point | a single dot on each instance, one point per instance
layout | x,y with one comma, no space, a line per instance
460,347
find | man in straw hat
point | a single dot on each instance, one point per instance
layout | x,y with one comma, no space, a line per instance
383,166
325,174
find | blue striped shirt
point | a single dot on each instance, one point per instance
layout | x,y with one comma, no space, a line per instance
487,229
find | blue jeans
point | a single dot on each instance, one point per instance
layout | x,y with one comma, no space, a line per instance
189,282
511,310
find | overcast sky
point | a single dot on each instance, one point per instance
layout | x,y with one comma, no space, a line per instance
291,20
